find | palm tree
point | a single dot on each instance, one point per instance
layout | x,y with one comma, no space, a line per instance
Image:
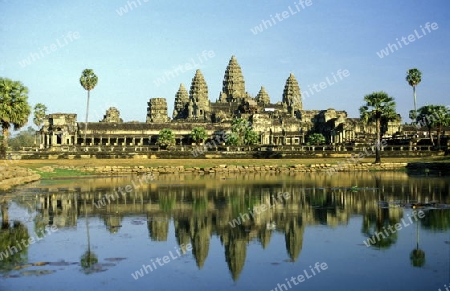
14,108
379,107
414,77
39,115
88,81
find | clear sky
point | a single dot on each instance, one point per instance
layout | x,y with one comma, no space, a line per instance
129,50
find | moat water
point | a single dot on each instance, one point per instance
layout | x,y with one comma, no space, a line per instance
348,231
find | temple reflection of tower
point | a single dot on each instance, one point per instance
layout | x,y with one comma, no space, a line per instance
202,207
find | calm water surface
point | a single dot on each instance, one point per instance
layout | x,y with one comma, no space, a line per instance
228,232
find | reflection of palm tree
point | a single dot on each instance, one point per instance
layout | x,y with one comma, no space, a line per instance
378,223
5,218
417,256
88,259
10,242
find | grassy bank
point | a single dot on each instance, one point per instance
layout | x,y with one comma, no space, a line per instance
188,163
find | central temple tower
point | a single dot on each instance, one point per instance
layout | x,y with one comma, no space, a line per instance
233,83
292,97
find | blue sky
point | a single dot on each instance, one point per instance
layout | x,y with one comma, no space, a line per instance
129,52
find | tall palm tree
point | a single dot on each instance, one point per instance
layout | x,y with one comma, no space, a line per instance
88,81
414,77
39,115
14,108
379,107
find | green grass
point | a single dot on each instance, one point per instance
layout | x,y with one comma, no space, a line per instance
60,173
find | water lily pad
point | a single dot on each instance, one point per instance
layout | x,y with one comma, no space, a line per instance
36,272
60,264
40,264
22,266
137,222
115,259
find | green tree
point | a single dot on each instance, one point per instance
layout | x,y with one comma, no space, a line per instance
166,138
414,77
251,137
241,133
14,109
316,139
25,138
198,134
433,116
39,112
379,106
422,118
88,81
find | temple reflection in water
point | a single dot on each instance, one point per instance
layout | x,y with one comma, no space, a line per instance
200,207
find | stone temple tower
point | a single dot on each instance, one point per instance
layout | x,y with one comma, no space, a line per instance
292,97
157,110
233,83
112,115
180,108
262,96
198,107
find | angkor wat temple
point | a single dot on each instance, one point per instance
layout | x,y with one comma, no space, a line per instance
281,123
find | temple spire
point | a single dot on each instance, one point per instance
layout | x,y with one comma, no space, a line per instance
180,109
233,82
292,96
262,96
198,97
